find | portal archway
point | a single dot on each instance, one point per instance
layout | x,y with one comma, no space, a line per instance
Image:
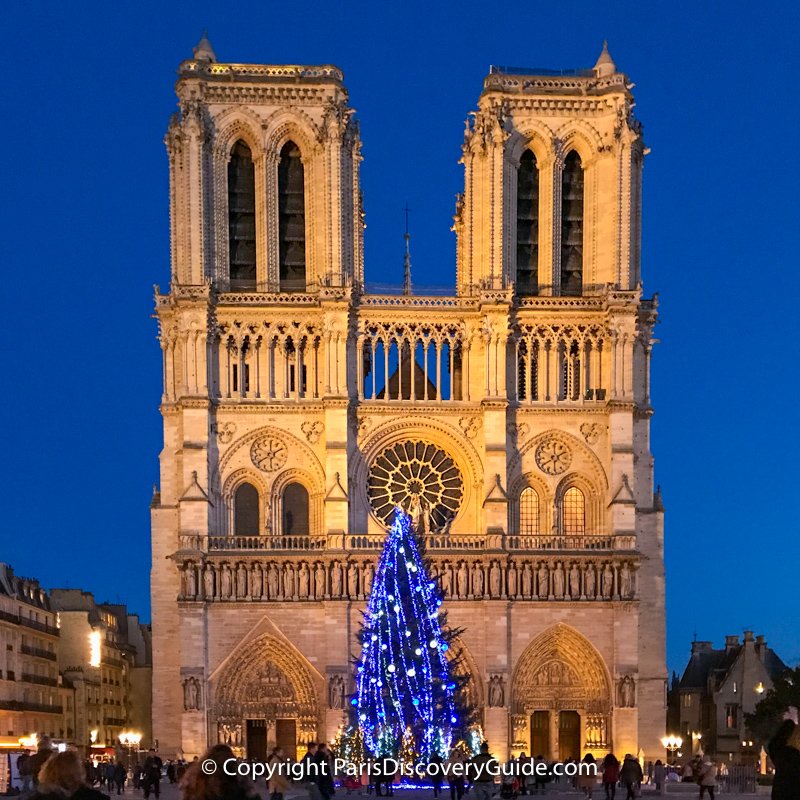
561,696
264,694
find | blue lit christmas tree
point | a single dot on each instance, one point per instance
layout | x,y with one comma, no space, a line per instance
408,693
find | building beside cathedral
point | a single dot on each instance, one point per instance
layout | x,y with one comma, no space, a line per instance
511,419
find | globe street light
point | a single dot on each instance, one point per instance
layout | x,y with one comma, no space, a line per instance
672,744
131,740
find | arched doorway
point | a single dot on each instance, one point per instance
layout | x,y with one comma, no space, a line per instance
561,696
264,697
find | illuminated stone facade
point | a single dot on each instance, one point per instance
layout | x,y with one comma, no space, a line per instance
511,419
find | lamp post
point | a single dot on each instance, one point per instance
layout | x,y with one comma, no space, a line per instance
130,740
672,744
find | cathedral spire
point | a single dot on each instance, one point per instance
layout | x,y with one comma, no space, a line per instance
407,258
204,51
605,65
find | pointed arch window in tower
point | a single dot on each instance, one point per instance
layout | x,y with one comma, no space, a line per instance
245,510
295,510
572,226
528,512
292,220
573,512
527,225
242,217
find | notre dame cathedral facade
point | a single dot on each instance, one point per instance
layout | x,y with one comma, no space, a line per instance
511,418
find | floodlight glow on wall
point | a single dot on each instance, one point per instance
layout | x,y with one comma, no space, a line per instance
94,649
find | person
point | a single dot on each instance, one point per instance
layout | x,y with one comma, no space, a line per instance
586,779
631,776
308,771
324,779
707,778
120,776
659,775
171,771
455,773
36,761
541,776
483,768
62,777
610,775
435,771
784,752
109,772
197,785
22,770
277,783
151,779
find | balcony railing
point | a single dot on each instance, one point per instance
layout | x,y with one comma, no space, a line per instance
38,652
21,705
115,722
29,623
42,680
434,542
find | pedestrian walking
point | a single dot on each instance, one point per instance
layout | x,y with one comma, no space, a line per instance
435,773
659,775
120,776
214,784
587,776
631,776
455,767
784,751
324,761
483,768
152,774
62,777
707,779
610,775
277,783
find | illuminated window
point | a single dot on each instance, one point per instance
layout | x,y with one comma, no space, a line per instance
292,219
242,217
731,716
245,510
687,701
528,512
572,225
527,225
573,511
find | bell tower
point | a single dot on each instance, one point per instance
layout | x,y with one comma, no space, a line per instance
552,176
264,189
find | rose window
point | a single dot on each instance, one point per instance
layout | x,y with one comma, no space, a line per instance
421,478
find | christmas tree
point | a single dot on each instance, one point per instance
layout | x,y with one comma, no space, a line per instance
407,688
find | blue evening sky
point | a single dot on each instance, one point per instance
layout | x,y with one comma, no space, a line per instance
87,92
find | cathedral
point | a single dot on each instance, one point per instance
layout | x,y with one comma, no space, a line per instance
510,419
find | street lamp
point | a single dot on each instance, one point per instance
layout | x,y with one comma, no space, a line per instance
672,744
131,740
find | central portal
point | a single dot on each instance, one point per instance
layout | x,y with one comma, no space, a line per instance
569,735
540,734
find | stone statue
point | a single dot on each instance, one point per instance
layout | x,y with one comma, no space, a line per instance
352,579
494,579
336,579
225,591
336,692
625,582
191,694
574,581
319,581
462,579
419,511
256,582
527,580
627,689
289,587
511,579
544,581
589,582
477,579
304,579
496,691
241,580
447,579
608,582
208,582
190,587
369,575
558,580
272,581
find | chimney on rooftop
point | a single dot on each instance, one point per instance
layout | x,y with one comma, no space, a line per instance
748,636
731,642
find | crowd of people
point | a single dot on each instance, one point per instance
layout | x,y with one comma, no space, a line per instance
51,775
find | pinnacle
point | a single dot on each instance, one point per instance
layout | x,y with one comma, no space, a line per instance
605,64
